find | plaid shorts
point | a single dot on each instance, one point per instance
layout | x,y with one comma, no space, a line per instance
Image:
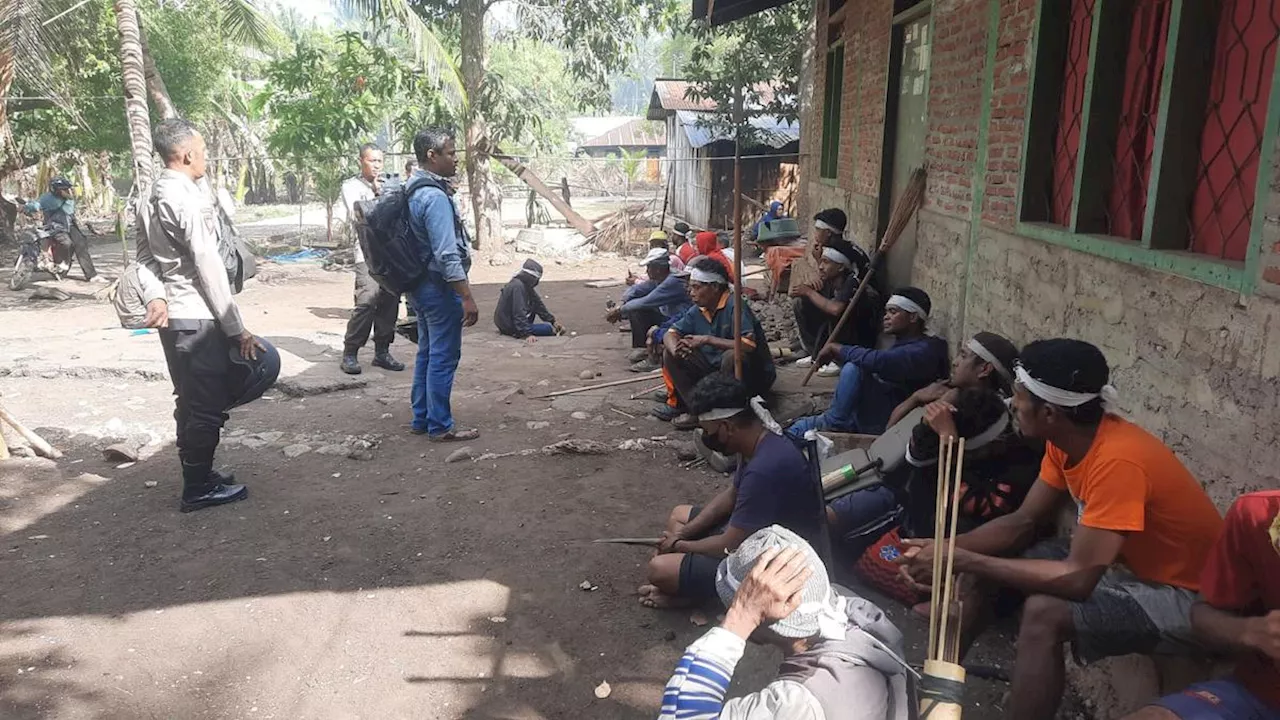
1125,614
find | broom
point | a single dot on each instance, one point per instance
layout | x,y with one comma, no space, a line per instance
911,200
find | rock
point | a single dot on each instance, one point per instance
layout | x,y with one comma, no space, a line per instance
699,618
669,635
333,449
22,451
580,415
293,451
120,452
686,451
150,484
586,586
499,259
537,425
270,437
253,443
360,454
498,619
603,690
462,453
587,375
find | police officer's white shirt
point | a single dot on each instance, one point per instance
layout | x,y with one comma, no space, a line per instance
177,241
355,190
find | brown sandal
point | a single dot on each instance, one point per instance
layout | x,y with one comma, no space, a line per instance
455,435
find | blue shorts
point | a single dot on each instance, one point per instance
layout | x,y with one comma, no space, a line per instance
1217,700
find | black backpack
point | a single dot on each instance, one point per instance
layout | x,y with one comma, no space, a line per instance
397,260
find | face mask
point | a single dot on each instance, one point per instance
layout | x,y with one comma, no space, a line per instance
713,442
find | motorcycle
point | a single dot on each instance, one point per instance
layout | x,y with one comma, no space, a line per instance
39,251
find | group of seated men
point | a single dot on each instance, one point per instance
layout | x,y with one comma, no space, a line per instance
1150,567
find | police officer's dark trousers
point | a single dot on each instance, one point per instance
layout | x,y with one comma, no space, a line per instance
375,310
197,352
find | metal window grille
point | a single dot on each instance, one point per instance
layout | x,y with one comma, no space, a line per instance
1136,126
1243,62
1066,140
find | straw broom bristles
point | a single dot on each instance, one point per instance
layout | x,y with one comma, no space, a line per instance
911,200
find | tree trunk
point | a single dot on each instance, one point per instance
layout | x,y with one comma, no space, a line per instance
135,92
8,150
155,84
486,205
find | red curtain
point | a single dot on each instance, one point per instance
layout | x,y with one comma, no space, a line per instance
1231,141
1136,127
1066,144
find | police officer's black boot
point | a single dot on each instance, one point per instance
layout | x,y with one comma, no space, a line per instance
382,358
200,490
350,364
227,477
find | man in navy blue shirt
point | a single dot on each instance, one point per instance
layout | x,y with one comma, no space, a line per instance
443,302
873,382
772,486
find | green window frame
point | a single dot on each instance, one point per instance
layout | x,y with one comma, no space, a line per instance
1184,87
832,96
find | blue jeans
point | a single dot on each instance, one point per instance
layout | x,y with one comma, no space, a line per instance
862,517
439,314
842,416
541,329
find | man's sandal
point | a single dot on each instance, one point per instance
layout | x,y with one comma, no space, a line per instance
455,435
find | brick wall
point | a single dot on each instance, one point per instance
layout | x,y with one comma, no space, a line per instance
959,49
1008,110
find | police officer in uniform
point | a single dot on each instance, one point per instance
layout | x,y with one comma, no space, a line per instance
375,308
214,362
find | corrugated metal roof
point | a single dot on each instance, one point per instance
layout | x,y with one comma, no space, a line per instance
636,132
769,131
669,96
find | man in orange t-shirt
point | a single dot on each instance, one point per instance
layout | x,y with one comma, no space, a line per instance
1240,614
1129,576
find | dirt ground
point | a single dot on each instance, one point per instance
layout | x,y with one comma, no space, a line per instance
365,577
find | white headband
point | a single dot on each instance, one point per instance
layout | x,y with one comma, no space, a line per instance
702,276
908,305
528,271
1060,397
973,443
981,351
756,405
820,225
836,257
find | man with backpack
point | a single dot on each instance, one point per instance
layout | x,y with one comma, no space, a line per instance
375,308
214,362
442,300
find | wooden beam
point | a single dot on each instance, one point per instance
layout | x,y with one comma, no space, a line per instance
578,222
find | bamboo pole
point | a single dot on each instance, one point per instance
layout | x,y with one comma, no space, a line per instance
600,386
949,577
939,513
737,236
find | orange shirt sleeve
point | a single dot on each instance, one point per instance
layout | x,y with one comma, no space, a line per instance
1115,497
1051,468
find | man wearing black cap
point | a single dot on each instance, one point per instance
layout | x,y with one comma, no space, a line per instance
520,307
215,363
873,382
818,307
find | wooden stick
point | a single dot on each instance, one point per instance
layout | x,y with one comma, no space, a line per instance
614,383
4,446
935,587
646,391
955,642
37,443
912,198
627,541
956,474
737,236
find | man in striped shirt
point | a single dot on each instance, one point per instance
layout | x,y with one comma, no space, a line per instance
842,657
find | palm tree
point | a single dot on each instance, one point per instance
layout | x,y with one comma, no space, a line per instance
133,69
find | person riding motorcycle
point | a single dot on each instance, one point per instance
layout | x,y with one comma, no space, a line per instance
58,207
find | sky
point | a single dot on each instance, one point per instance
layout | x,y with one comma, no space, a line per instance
318,9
